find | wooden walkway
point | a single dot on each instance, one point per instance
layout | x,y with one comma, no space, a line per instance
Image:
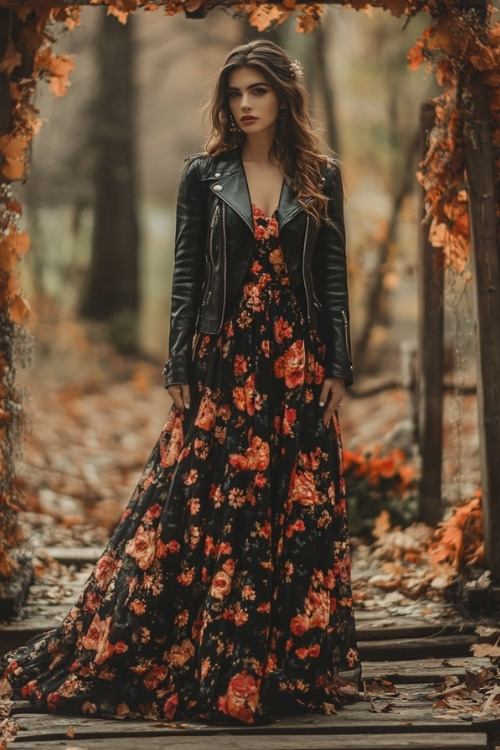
408,664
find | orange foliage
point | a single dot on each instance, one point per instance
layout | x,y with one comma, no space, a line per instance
455,46
459,540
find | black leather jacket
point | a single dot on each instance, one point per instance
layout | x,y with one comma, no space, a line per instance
213,247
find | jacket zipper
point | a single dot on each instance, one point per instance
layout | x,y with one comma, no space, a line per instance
208,293
346,332
304,267
224,264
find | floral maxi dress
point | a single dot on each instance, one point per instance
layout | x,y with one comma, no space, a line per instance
224,592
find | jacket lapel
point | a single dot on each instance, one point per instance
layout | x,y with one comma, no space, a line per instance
228,182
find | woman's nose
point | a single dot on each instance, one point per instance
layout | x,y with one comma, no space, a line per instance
245,102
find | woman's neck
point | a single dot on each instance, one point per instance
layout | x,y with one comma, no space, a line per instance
257,149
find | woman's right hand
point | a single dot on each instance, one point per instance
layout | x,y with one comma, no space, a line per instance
180,396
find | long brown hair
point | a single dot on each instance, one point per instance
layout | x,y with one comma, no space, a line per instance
297,147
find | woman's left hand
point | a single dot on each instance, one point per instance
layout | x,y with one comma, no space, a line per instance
332,393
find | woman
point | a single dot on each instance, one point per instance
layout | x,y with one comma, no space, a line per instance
225,589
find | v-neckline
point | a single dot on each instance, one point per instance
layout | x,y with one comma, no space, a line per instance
254,205
263,216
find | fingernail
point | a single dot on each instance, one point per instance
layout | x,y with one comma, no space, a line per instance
321,403
187,404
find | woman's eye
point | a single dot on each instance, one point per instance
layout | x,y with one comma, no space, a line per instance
260,92
233,94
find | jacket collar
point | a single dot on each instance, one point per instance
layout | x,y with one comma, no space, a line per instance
228,181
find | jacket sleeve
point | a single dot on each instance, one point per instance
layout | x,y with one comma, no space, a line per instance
330,278
188,275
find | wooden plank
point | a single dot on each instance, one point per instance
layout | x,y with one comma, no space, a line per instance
408,628
430,362
423,670
351,719
449,741
401,648
71,555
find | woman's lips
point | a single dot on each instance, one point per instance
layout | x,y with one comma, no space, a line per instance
248,120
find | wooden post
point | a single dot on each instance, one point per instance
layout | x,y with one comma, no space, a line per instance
430,363
486,273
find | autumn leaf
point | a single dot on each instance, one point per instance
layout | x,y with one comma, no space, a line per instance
309,18
12,150
60,66
19,309
382,524
415,57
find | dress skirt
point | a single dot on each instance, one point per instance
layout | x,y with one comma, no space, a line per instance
224,592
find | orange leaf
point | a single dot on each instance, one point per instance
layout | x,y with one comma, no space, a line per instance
13,149
415,57
382,524
60,66
19,309
19,242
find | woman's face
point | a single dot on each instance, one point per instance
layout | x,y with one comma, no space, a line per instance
253,103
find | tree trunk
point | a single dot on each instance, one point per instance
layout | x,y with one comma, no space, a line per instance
325,87
113,283
430,362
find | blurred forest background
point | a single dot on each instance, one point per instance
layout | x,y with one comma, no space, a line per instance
100,202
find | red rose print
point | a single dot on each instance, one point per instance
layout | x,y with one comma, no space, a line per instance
243,697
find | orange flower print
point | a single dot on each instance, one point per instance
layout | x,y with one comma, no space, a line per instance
352,657
299,624
257,454
142,547
205,419
318,606
186,577
288,421
155,677
97,639
181,653
240,365
170,707
243,697
260,480
282,330
191,477
137,607
221,585
201,449
303,487
226,549
245,397
169,451
92,601
105,569
291,365
277,260
272,228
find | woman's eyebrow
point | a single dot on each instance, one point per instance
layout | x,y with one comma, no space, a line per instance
252,85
